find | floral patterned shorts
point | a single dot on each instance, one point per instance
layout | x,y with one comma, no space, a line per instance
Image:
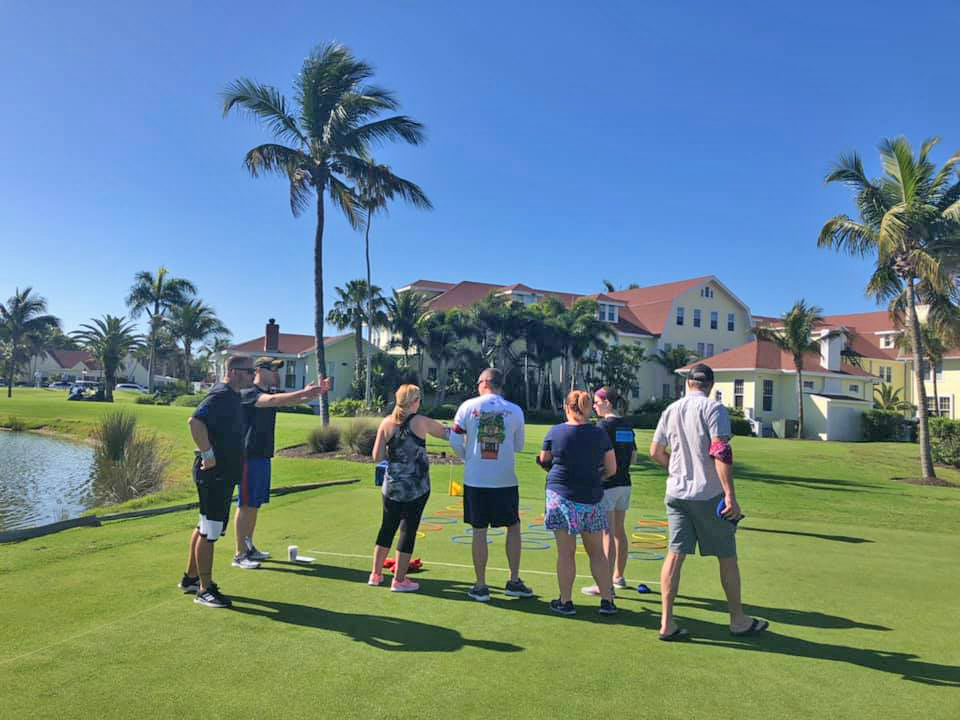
574,517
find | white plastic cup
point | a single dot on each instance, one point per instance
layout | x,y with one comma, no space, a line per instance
292,552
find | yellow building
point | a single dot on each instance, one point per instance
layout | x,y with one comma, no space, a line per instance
761,380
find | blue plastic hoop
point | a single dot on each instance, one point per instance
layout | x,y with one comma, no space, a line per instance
465,540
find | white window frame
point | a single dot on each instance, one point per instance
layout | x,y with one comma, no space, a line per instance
696,317
680,315
731,322
853,388
766,396
714,320
945,406
710,349
738,396
667,347
701,348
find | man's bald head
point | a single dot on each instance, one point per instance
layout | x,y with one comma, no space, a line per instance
490,381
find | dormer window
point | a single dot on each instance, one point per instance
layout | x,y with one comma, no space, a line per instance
886,341
706,292
608,313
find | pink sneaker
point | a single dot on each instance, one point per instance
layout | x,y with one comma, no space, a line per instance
375,579
405,585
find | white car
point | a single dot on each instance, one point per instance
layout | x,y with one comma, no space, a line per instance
131,387
60,385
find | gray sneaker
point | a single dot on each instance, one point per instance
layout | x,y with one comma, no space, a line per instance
244,562
257,555
480,593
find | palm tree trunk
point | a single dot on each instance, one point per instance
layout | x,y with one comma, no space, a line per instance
368,387
799,365
442,382
540,377
923,430
526,379
10,372
936,395
186,363
152,361
358,368
318,304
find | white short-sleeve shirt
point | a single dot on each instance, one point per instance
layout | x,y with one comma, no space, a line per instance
487,433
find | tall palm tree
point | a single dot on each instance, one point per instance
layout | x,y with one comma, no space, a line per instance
24,323
376,187
213,348
194,322
324,142
109,340
352,310
156,295
497,323
888,399
672,360
404,311
440,332
587,334
910,223
796,338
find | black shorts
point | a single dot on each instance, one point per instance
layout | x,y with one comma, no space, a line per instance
491,507
215,491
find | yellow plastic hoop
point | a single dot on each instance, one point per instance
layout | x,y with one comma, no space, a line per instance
421,534
648,536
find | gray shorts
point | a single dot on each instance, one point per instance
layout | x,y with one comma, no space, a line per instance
695,522
616,498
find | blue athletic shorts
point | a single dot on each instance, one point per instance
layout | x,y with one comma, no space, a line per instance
255,484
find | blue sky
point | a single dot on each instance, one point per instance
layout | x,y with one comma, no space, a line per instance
640,142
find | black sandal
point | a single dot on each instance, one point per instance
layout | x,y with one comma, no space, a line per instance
678,634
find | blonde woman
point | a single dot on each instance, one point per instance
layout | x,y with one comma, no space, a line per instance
578,457
402,440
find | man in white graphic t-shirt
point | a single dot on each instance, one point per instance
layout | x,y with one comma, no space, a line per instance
487,433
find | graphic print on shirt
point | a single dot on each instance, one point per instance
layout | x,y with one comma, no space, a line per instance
491,432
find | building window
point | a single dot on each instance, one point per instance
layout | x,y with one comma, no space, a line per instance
666,391
709,349
767,395
679,316
886,341
602,311
291,379
667,347
738,394
681,346
431,373
855,389
731,321
808,384
714,319
700,349
706,292
718,396
945,406
696,317
635,393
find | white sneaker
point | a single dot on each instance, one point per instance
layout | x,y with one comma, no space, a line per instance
245,563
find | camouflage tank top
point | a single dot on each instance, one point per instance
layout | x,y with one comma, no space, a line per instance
408,471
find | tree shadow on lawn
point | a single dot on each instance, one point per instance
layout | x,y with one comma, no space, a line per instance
457,592
906,665
383,633
821,536
808,483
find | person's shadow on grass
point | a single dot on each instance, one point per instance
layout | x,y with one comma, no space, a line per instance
383,633
819,536
782,616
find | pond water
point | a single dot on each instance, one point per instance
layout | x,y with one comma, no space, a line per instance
42,480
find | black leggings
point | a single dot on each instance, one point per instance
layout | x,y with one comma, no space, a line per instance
397,513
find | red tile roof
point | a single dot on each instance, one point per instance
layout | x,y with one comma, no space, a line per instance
651,305
289,344
863,327
763,355
72,358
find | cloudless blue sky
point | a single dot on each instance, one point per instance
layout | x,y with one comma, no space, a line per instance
635,141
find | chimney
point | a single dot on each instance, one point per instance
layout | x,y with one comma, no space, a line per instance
271,337
831,347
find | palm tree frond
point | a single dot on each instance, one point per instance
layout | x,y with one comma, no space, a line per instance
267,104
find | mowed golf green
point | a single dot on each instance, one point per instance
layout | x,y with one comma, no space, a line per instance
855,570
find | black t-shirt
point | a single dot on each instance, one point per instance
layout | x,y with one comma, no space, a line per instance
222,413
622,439
261,422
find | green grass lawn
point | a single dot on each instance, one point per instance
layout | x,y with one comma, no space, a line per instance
855,570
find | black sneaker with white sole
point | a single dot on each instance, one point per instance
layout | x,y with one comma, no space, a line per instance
516,588
480,593
212,597
189,585
563,608
607,607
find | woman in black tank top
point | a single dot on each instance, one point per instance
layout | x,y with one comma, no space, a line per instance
401,439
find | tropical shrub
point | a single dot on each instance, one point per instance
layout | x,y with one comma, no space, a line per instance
883,426
348,407
127,463
365,441
298,409
353,432
441,412
945,441
189,400
324,439
16,424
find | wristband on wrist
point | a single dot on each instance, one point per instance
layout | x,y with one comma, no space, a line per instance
208,455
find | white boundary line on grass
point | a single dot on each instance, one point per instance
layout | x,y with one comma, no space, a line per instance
469,567
85,632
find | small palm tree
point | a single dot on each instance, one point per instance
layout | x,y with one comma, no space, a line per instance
322,143
194,322
910,222
888,399
497,323
351,310
24,323
156,295
377,186
796,338
672,360
404,311
440,332
109,340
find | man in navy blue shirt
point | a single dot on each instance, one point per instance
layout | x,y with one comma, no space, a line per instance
218,429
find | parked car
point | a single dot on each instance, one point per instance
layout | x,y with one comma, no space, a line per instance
131,387
60,385
87,385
